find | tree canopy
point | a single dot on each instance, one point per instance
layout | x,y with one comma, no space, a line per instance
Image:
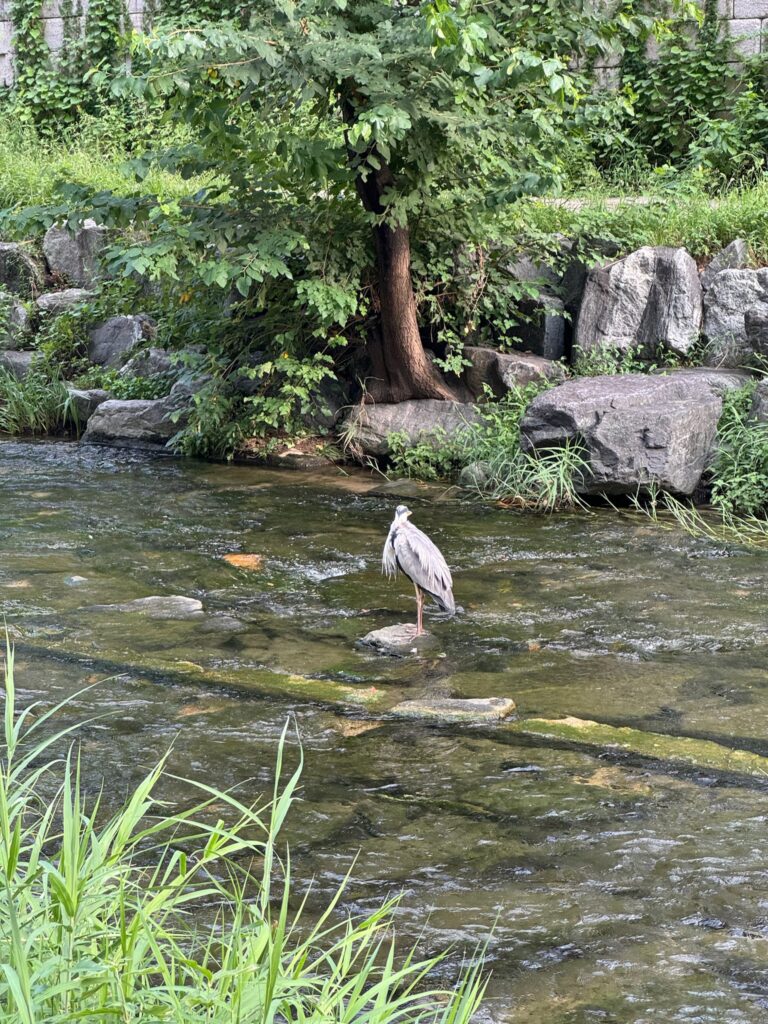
352,160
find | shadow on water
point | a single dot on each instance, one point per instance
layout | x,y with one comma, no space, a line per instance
620,891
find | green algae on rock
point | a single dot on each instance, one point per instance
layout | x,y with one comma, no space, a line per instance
246,679
686,750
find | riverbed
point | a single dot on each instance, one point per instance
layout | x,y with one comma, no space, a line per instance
607,888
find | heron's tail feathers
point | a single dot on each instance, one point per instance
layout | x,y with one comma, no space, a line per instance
445,602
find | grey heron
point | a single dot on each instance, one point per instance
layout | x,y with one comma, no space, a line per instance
414,554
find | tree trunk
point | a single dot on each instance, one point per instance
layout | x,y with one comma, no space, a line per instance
408,371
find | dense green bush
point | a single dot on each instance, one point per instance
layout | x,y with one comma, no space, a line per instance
693,102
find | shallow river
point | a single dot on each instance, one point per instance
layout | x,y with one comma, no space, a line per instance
620,891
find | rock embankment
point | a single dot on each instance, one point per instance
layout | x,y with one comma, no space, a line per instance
637,431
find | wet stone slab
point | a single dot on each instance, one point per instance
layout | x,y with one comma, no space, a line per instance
445,709
172,606
398,639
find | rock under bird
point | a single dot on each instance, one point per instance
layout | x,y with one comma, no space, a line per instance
414,554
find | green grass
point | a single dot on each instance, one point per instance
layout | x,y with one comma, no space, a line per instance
32,163
740,469
721,526
188,917
540,481
691,216
35,405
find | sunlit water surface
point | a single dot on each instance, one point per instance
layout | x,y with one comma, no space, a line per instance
614,891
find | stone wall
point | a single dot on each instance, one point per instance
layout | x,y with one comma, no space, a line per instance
745,21
748,24
57,24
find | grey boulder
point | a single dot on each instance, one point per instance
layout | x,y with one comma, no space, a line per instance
717,379
368,427
83,402
650,297
475,476
152,362
398,639
542,330
734,256
756,329
74,257
54,303
14,321
730,297
134,422
112,342
503,371
638,431
19,272
760,402
17,363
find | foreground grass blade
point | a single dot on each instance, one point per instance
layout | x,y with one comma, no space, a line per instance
147,915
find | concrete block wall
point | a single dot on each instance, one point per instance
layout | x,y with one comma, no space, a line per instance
745,21
748,25
57,24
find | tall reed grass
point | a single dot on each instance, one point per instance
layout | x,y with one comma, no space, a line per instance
153,915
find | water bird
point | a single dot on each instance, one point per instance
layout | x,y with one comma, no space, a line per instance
414,554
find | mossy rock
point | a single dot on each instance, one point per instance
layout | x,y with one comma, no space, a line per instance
705,755
256,681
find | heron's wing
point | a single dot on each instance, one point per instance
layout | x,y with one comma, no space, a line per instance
423,563
388,558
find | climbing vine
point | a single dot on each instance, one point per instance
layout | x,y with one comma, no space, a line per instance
691,100
52,87
200,10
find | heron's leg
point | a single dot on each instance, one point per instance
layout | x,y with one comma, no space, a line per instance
419,610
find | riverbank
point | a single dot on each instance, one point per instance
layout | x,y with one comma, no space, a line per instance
641,376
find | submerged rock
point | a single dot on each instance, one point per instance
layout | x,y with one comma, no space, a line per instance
222,623
368,427
650,297
397,639
446,709
636,430
695,753
74,257
172,606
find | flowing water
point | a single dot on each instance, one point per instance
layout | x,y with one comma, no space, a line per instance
615,890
